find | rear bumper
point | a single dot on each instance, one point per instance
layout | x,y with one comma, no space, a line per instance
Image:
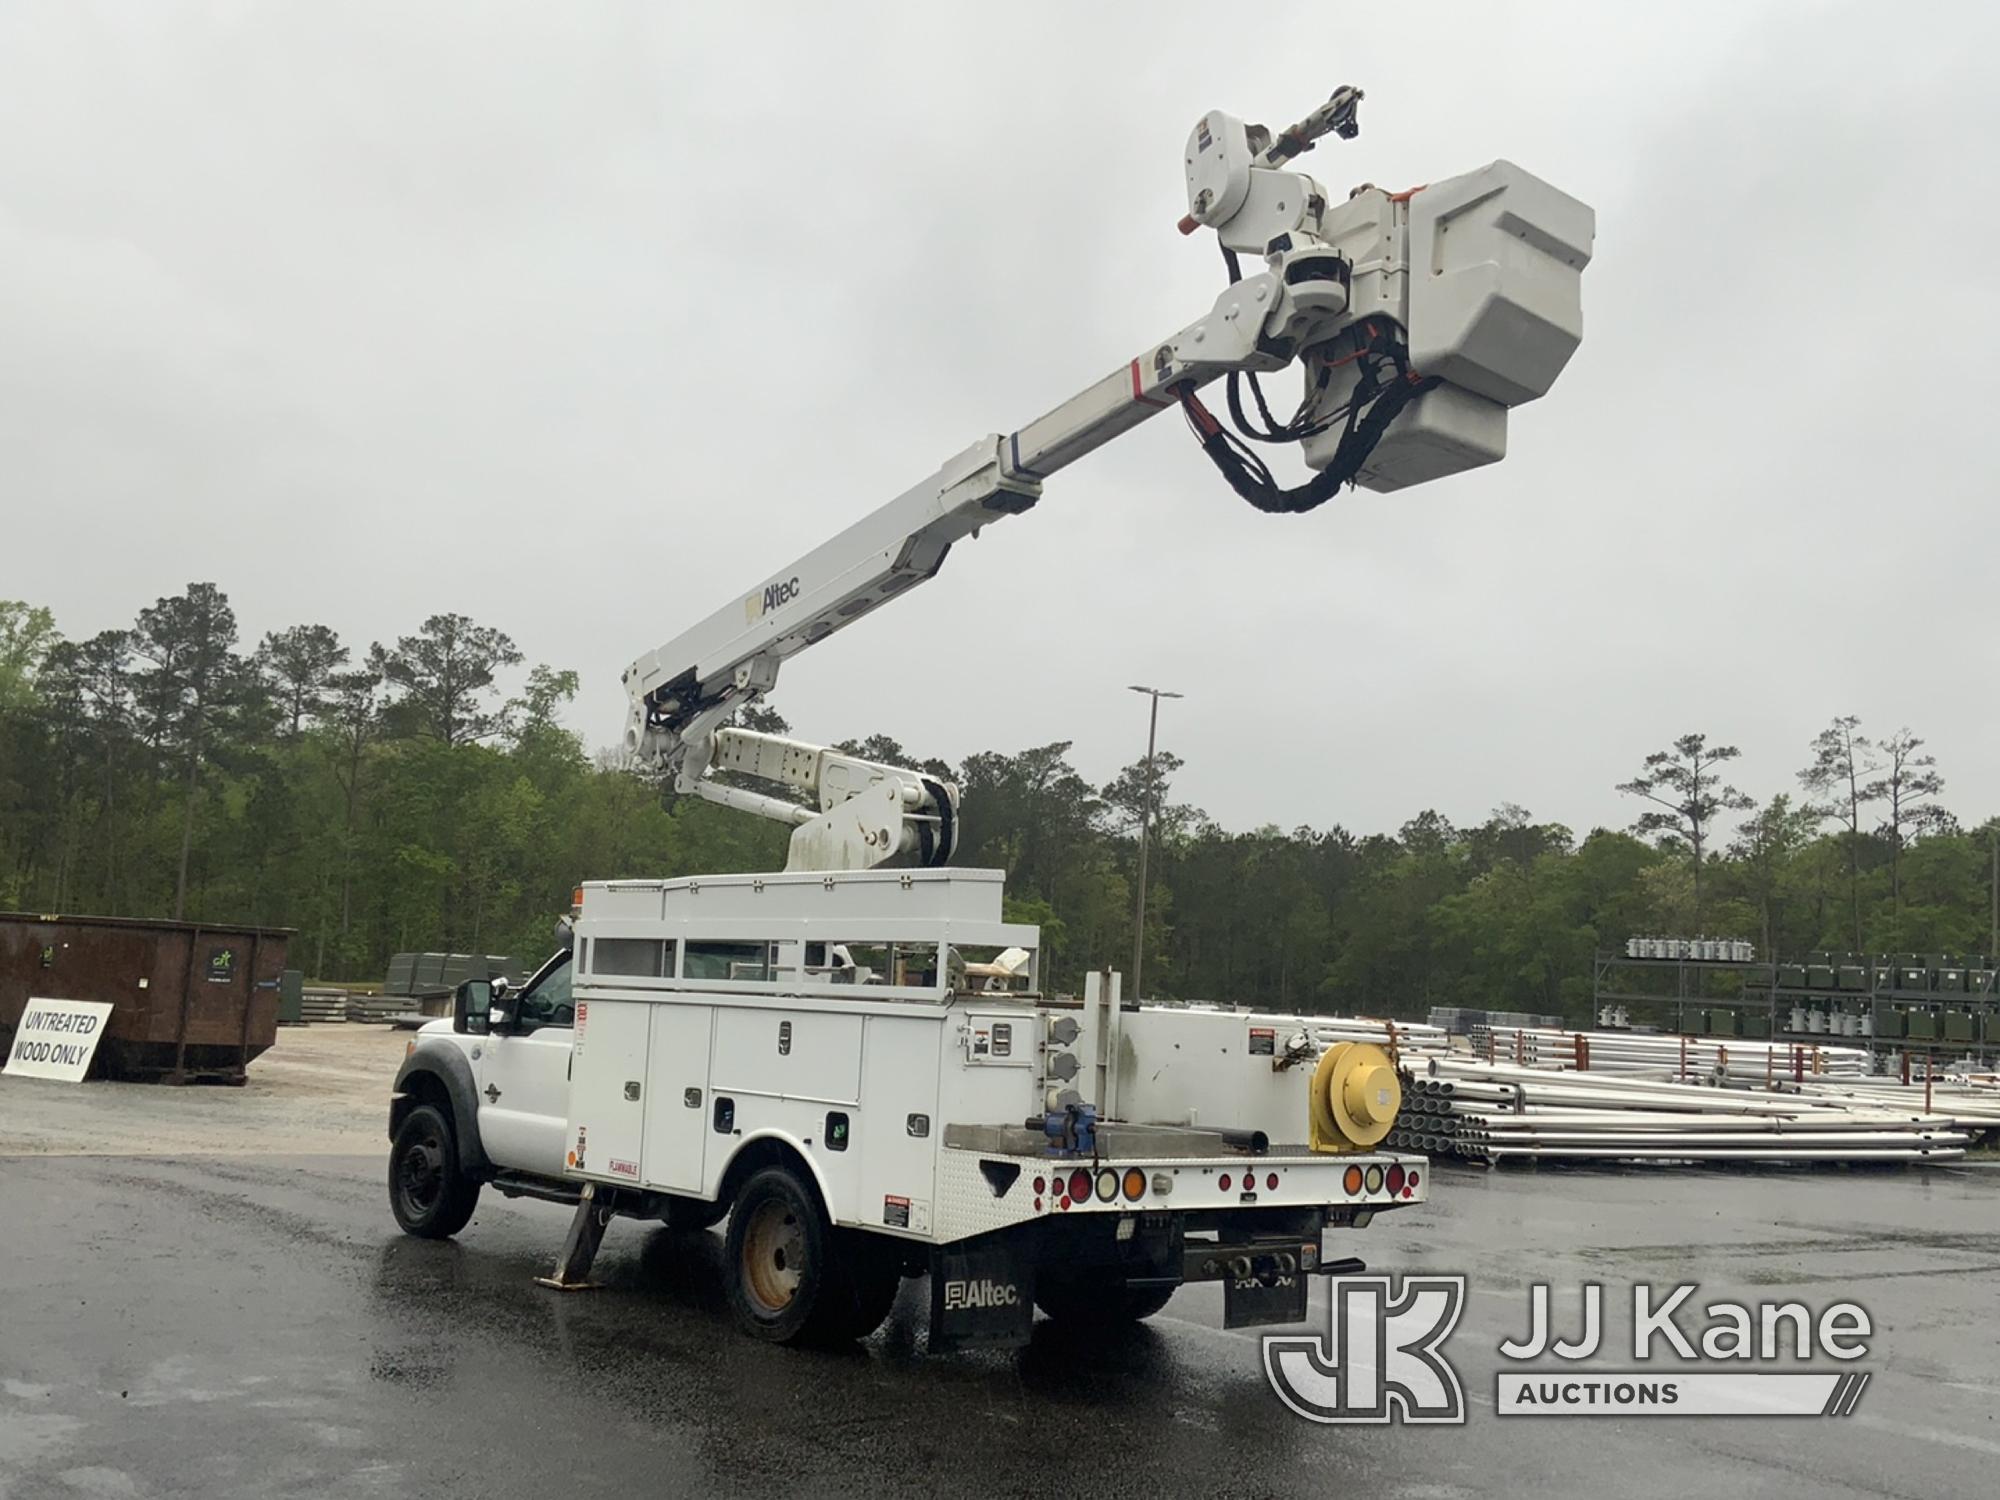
981,1191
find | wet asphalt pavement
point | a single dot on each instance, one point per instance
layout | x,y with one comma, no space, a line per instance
236,1326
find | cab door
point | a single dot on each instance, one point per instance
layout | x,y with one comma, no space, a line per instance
523,1075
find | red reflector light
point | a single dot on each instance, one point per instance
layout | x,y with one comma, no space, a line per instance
1395,1179
1271,1183
1224,1182
1413,1178
1038,1205
1079,1185
1041,1185
1065,1200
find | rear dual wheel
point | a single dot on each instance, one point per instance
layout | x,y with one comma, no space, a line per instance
794,1277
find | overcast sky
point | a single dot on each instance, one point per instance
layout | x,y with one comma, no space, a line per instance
584,319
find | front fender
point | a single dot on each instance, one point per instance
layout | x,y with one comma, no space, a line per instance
452,1073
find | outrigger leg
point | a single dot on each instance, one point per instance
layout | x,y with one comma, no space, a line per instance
586,1233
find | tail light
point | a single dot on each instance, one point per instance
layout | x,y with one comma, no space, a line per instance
1396,1178
1079,1186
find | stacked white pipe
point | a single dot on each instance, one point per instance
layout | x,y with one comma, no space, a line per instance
1651,1054
1405,1038
1498,1112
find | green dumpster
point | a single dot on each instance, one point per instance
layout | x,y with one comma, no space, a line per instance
291,998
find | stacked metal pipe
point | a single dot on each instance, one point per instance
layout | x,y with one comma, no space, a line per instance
1408,1038
1666,1056
1496,1112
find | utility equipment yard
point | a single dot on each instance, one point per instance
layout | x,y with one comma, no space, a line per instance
877,1176
254,1324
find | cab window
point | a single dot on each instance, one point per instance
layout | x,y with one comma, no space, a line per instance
546,1002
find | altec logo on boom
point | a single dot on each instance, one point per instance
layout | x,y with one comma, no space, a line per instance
773,596
1382,1359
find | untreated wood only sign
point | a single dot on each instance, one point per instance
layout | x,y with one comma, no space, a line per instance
57,1038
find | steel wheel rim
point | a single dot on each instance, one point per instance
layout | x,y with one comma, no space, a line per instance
420,1175
774,1256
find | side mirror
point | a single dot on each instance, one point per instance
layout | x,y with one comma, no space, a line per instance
471,1007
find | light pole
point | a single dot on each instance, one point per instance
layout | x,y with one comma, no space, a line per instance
1145,824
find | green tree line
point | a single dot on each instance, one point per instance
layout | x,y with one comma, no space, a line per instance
393,798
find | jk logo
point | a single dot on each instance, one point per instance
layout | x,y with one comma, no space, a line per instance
1381,1360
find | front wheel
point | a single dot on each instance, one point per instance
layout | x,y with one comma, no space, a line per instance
429,1193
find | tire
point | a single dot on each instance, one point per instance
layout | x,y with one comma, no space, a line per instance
429,1192
1098,1299
791,1277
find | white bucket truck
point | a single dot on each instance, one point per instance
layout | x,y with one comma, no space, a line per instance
852,1059
858,1069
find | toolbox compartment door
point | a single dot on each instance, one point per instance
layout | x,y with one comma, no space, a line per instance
677,1126
607,1094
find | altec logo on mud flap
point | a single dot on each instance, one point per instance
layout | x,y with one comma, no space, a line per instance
1382,1358
986,1293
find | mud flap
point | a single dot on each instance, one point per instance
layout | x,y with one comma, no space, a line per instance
980,1299
1254,1302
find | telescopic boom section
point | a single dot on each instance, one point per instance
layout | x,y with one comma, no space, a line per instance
1417,319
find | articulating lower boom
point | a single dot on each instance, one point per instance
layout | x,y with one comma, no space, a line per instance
1417,319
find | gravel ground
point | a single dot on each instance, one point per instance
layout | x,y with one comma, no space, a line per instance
321,1089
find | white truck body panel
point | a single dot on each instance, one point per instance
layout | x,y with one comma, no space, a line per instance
722,1021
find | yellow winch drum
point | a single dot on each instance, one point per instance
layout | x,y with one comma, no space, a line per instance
1354,1097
